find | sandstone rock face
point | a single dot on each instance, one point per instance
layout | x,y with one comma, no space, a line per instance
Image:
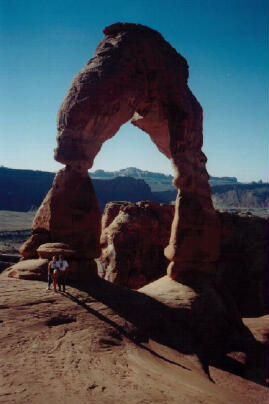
133,239
135,235
136,75
69,214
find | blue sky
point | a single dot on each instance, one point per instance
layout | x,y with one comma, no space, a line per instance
44,44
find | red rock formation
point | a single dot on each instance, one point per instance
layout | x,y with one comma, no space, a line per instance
134,236
31,269
69,214
134,75
29,249
48,250
133,239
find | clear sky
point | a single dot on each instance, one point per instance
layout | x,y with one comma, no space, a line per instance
43,44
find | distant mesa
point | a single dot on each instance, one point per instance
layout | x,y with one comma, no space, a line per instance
156,181
23,190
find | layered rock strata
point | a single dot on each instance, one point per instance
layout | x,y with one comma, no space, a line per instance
135,75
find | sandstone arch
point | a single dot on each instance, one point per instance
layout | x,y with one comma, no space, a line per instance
134,75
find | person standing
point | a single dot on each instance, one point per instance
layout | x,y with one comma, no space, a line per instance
51,267
62,266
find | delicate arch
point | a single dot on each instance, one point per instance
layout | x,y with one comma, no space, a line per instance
136,75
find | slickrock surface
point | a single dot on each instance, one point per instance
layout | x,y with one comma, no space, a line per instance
112,344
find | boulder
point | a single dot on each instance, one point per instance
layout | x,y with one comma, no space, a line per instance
34,269
48,250
29,249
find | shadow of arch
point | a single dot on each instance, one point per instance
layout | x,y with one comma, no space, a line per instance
210,338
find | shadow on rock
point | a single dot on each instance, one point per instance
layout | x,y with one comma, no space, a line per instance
195,316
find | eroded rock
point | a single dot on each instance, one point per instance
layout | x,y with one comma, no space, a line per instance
135,75
133,239
69,214
32,269
135,235
29,249
48,250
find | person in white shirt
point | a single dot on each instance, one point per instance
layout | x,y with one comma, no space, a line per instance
62,265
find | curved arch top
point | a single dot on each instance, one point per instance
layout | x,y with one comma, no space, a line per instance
134,75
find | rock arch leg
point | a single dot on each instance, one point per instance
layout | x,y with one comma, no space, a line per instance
68,222
195,233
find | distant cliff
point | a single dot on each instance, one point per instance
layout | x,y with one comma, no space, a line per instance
241,195
158,182
122,189
228,197
23,190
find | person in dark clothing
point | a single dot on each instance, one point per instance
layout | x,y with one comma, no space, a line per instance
62,266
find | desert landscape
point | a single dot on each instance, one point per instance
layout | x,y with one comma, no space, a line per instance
167,294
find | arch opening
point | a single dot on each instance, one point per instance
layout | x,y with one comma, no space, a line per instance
131,147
